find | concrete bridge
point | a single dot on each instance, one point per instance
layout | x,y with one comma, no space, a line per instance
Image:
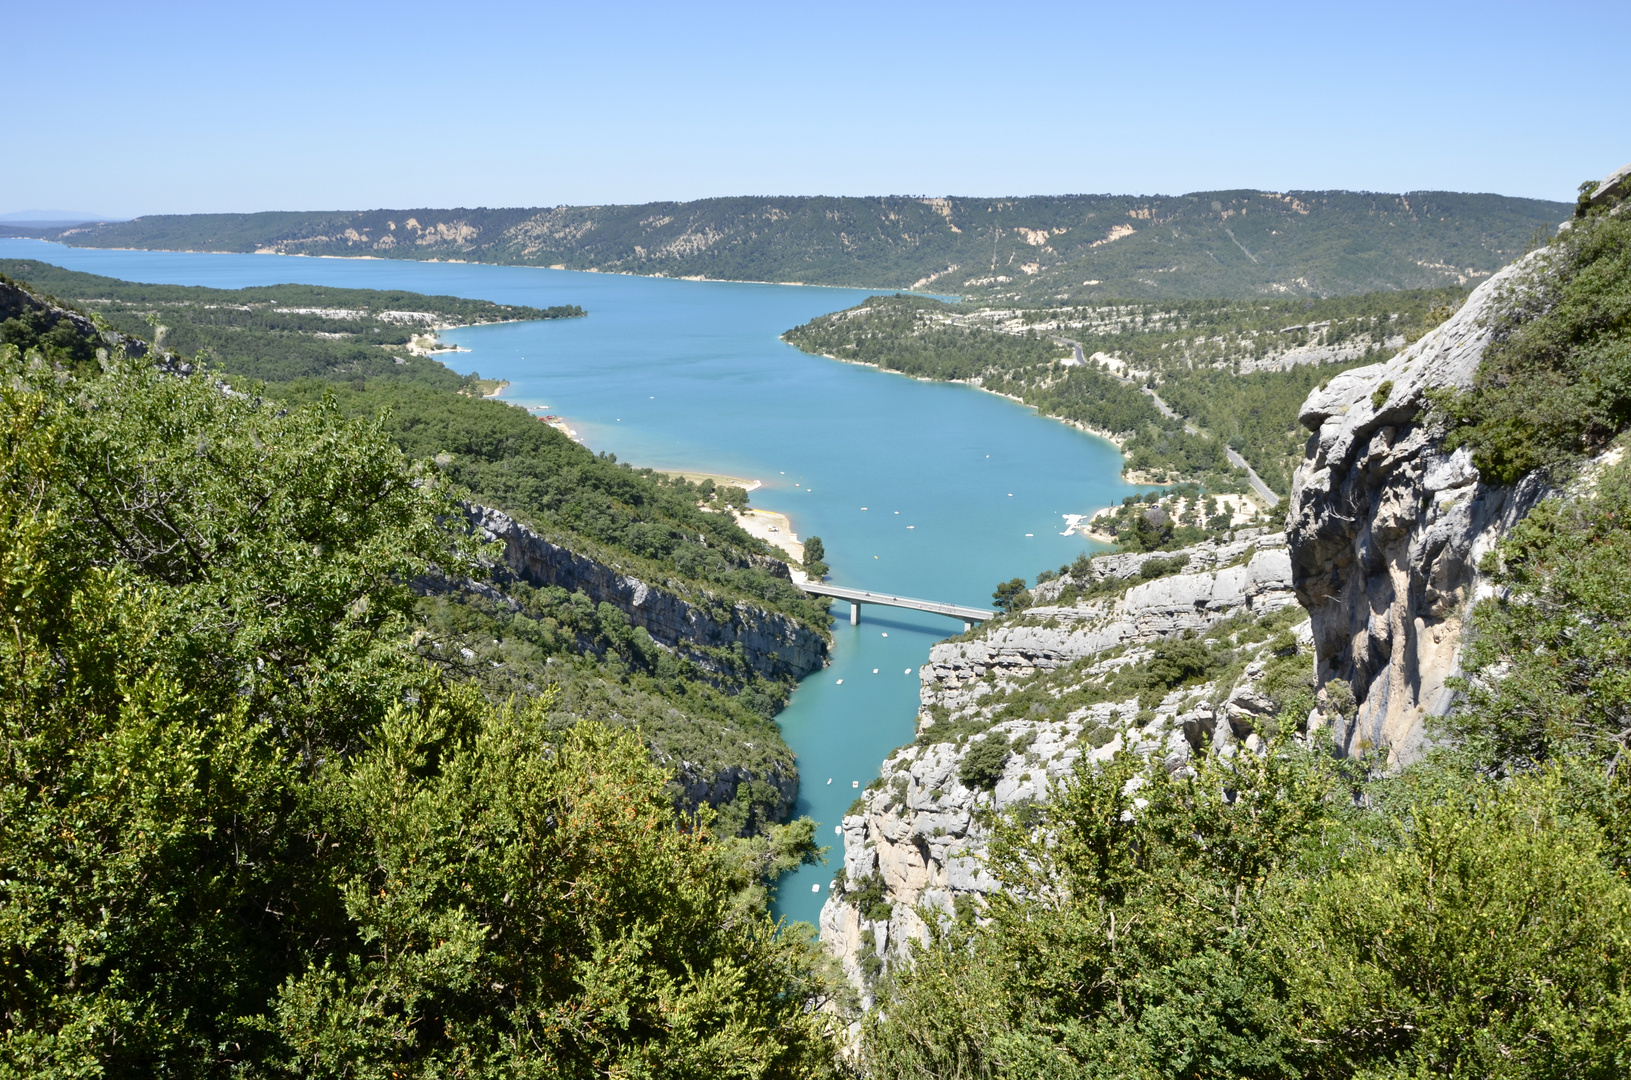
857,597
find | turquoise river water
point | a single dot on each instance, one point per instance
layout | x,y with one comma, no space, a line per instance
919,489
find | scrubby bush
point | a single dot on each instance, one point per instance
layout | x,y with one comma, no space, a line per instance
247,830
1555,382
982,765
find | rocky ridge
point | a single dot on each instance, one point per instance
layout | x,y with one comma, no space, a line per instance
913,840
773,645
17,302
1386,530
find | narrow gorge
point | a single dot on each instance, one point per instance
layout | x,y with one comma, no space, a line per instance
1351,623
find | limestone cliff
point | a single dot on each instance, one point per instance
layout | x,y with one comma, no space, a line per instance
1386,530
17,302
772,644
913,840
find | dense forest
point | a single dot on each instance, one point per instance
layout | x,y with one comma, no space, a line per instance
278,332
1035,249
251,828
1235,370
701,707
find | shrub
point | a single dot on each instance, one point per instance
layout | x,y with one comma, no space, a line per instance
1555,382
983,763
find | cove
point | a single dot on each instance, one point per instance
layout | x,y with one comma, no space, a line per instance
921,489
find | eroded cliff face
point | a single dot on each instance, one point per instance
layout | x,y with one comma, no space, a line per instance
16,301
774,645
1386,530
914,841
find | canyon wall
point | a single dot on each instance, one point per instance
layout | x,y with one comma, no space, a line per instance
916,836
1386,530
772,644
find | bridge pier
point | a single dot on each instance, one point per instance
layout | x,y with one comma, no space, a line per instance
968,624
855,613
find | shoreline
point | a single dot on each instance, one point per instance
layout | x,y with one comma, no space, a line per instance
719,479
776,529
1119,441
484,262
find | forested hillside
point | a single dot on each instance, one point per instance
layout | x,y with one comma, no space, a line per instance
1037,249
253,827
700,707
277,332
1261,888
1235,370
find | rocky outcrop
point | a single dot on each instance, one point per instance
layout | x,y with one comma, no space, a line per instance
1250,573
914,840
773,645
1386,530
16,301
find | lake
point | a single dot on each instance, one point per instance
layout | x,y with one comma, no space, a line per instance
920,489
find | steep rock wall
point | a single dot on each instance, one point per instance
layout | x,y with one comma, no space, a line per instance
774,645
920,831
1386,530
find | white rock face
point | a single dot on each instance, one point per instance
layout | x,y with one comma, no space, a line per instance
1252,574
1386,530
919,831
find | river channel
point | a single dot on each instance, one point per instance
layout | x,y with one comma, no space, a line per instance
919,489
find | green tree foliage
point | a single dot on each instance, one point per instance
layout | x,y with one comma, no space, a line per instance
1255,414
1122,943
1244,919
1555,382
1011,596
1287,915
500,453
891,332
1480,933
982,765
638,518
815,554
249,831
703,711
1550,664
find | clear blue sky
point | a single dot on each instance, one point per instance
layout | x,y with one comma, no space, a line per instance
138,108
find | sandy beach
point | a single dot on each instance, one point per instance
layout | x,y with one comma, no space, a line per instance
776,530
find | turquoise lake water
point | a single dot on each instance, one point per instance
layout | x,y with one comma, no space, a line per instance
918,489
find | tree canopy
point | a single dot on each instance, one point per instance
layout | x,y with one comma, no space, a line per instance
250,831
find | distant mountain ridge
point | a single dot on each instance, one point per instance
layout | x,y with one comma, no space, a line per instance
1223,244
